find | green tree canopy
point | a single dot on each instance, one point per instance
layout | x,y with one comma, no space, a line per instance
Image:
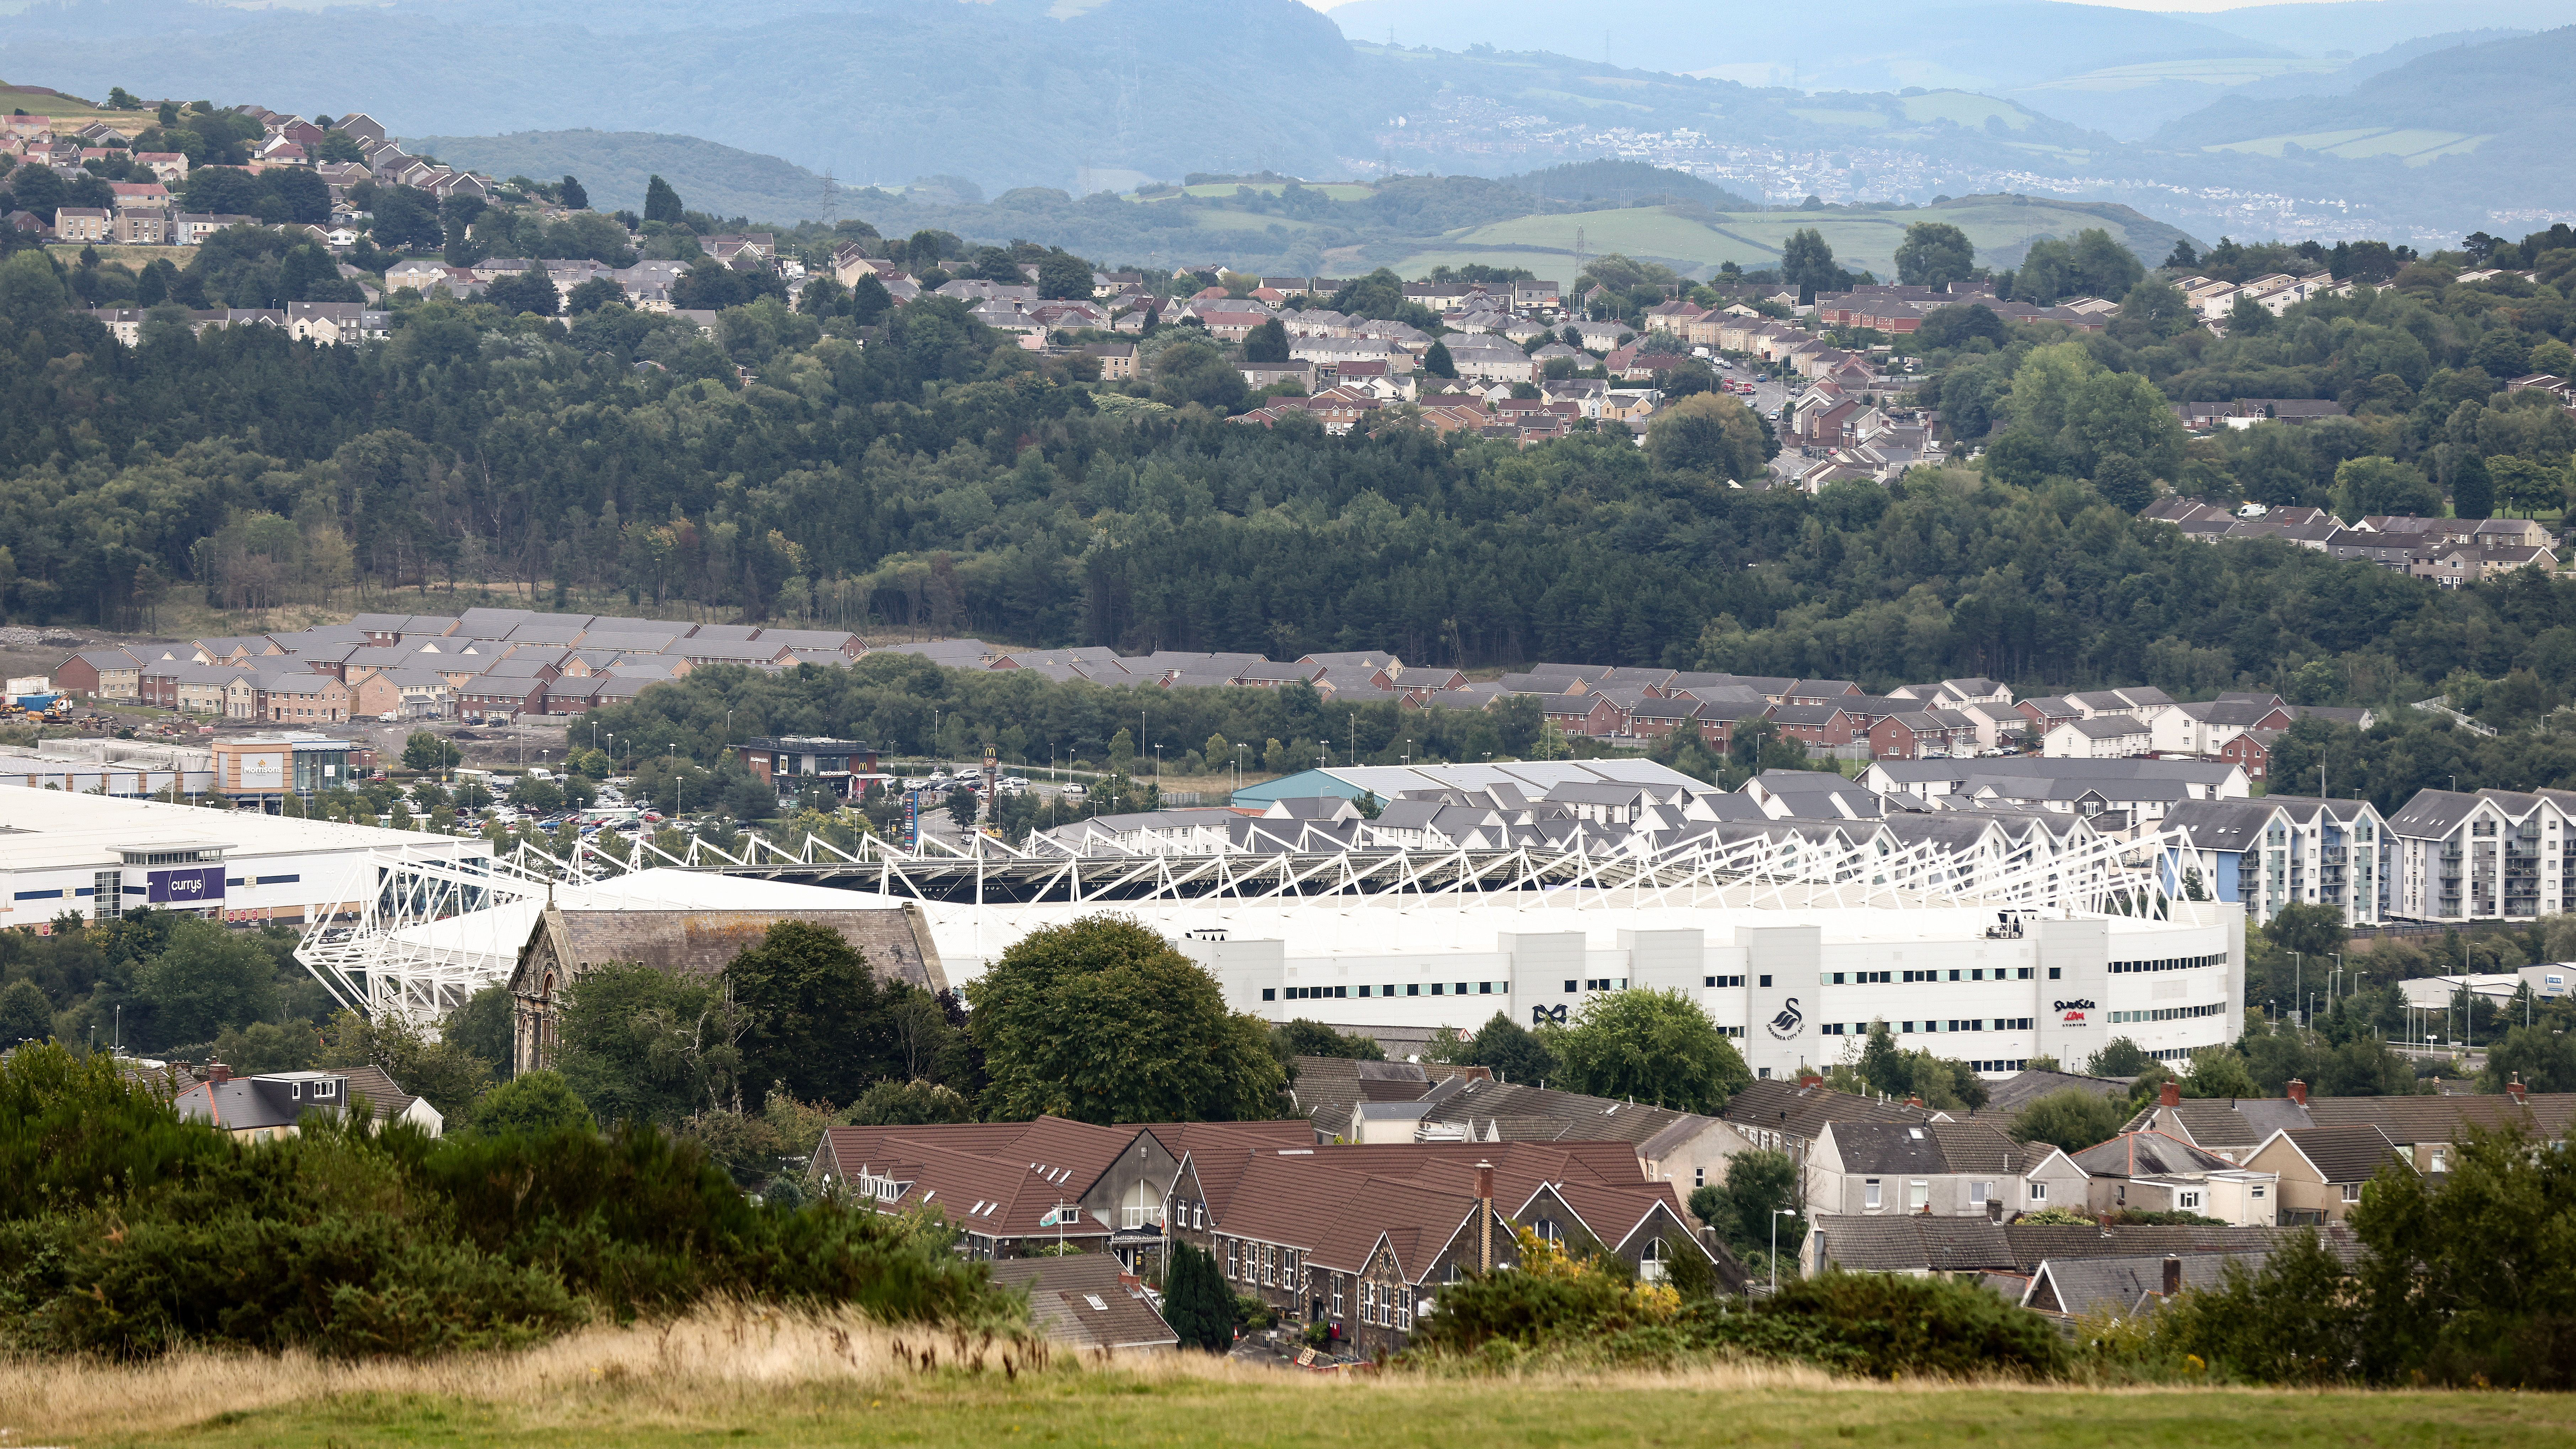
1304,1038
1807,263
636,1042
426,751
1649,1046
1267,342
1101,1020
1195,1301
26,1014
1934,254
2376,485
819,1021
2072,1118
1512,1052
1064,276
1710,433
661,203
534,1104
2120,1057
907,1104
483,1027
1194,371
206,978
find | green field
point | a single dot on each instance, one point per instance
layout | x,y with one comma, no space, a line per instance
1333,190
1866,120
38,103
2414,147
1965,108
1110,1408
1860,239
2216,71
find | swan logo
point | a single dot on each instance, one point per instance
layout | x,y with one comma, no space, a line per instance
1546,1015
1789,1022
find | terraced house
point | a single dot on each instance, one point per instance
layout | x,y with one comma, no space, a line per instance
1362,1239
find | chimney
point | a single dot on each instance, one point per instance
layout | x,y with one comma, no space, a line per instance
2298,1091
2169,1095
2515,1089
1809,1079
218,1072
2173,1276
1914,1101
1484,1217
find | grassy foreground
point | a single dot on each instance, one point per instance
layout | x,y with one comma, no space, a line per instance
759,1378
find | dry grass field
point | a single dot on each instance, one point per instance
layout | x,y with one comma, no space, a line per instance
761,1377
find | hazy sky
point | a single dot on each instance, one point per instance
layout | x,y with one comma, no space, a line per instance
2171,5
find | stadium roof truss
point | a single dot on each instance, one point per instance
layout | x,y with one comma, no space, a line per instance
376,960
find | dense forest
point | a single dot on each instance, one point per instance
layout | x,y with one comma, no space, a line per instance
926,474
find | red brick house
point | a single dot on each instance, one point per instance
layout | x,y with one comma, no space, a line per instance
1815,724
485,694
2046,712
100,674
1719,718
1914,735
1817,691
2252,751
1651,718
1580,714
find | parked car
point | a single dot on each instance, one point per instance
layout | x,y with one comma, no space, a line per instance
1075,792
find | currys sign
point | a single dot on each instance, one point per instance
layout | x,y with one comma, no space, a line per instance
198,886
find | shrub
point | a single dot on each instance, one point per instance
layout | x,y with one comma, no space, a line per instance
1548,1300
124,1231
1879,1324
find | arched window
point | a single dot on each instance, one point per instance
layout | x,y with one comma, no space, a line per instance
1141,1206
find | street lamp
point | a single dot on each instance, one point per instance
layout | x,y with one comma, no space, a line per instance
1776,1215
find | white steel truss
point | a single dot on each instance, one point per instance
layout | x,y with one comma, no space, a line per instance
378,960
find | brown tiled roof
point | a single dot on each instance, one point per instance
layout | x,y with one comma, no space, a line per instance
994,1178
1079,1301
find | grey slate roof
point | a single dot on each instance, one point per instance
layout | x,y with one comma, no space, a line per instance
2075,1287
2345,1154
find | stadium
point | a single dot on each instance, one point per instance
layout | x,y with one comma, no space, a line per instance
1792,943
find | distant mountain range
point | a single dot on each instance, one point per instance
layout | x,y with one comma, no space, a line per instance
2106,68
2412,120
721,181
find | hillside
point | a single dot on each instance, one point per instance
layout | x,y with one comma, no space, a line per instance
2450,101
614,165
1004,92
1692,241
1903,43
